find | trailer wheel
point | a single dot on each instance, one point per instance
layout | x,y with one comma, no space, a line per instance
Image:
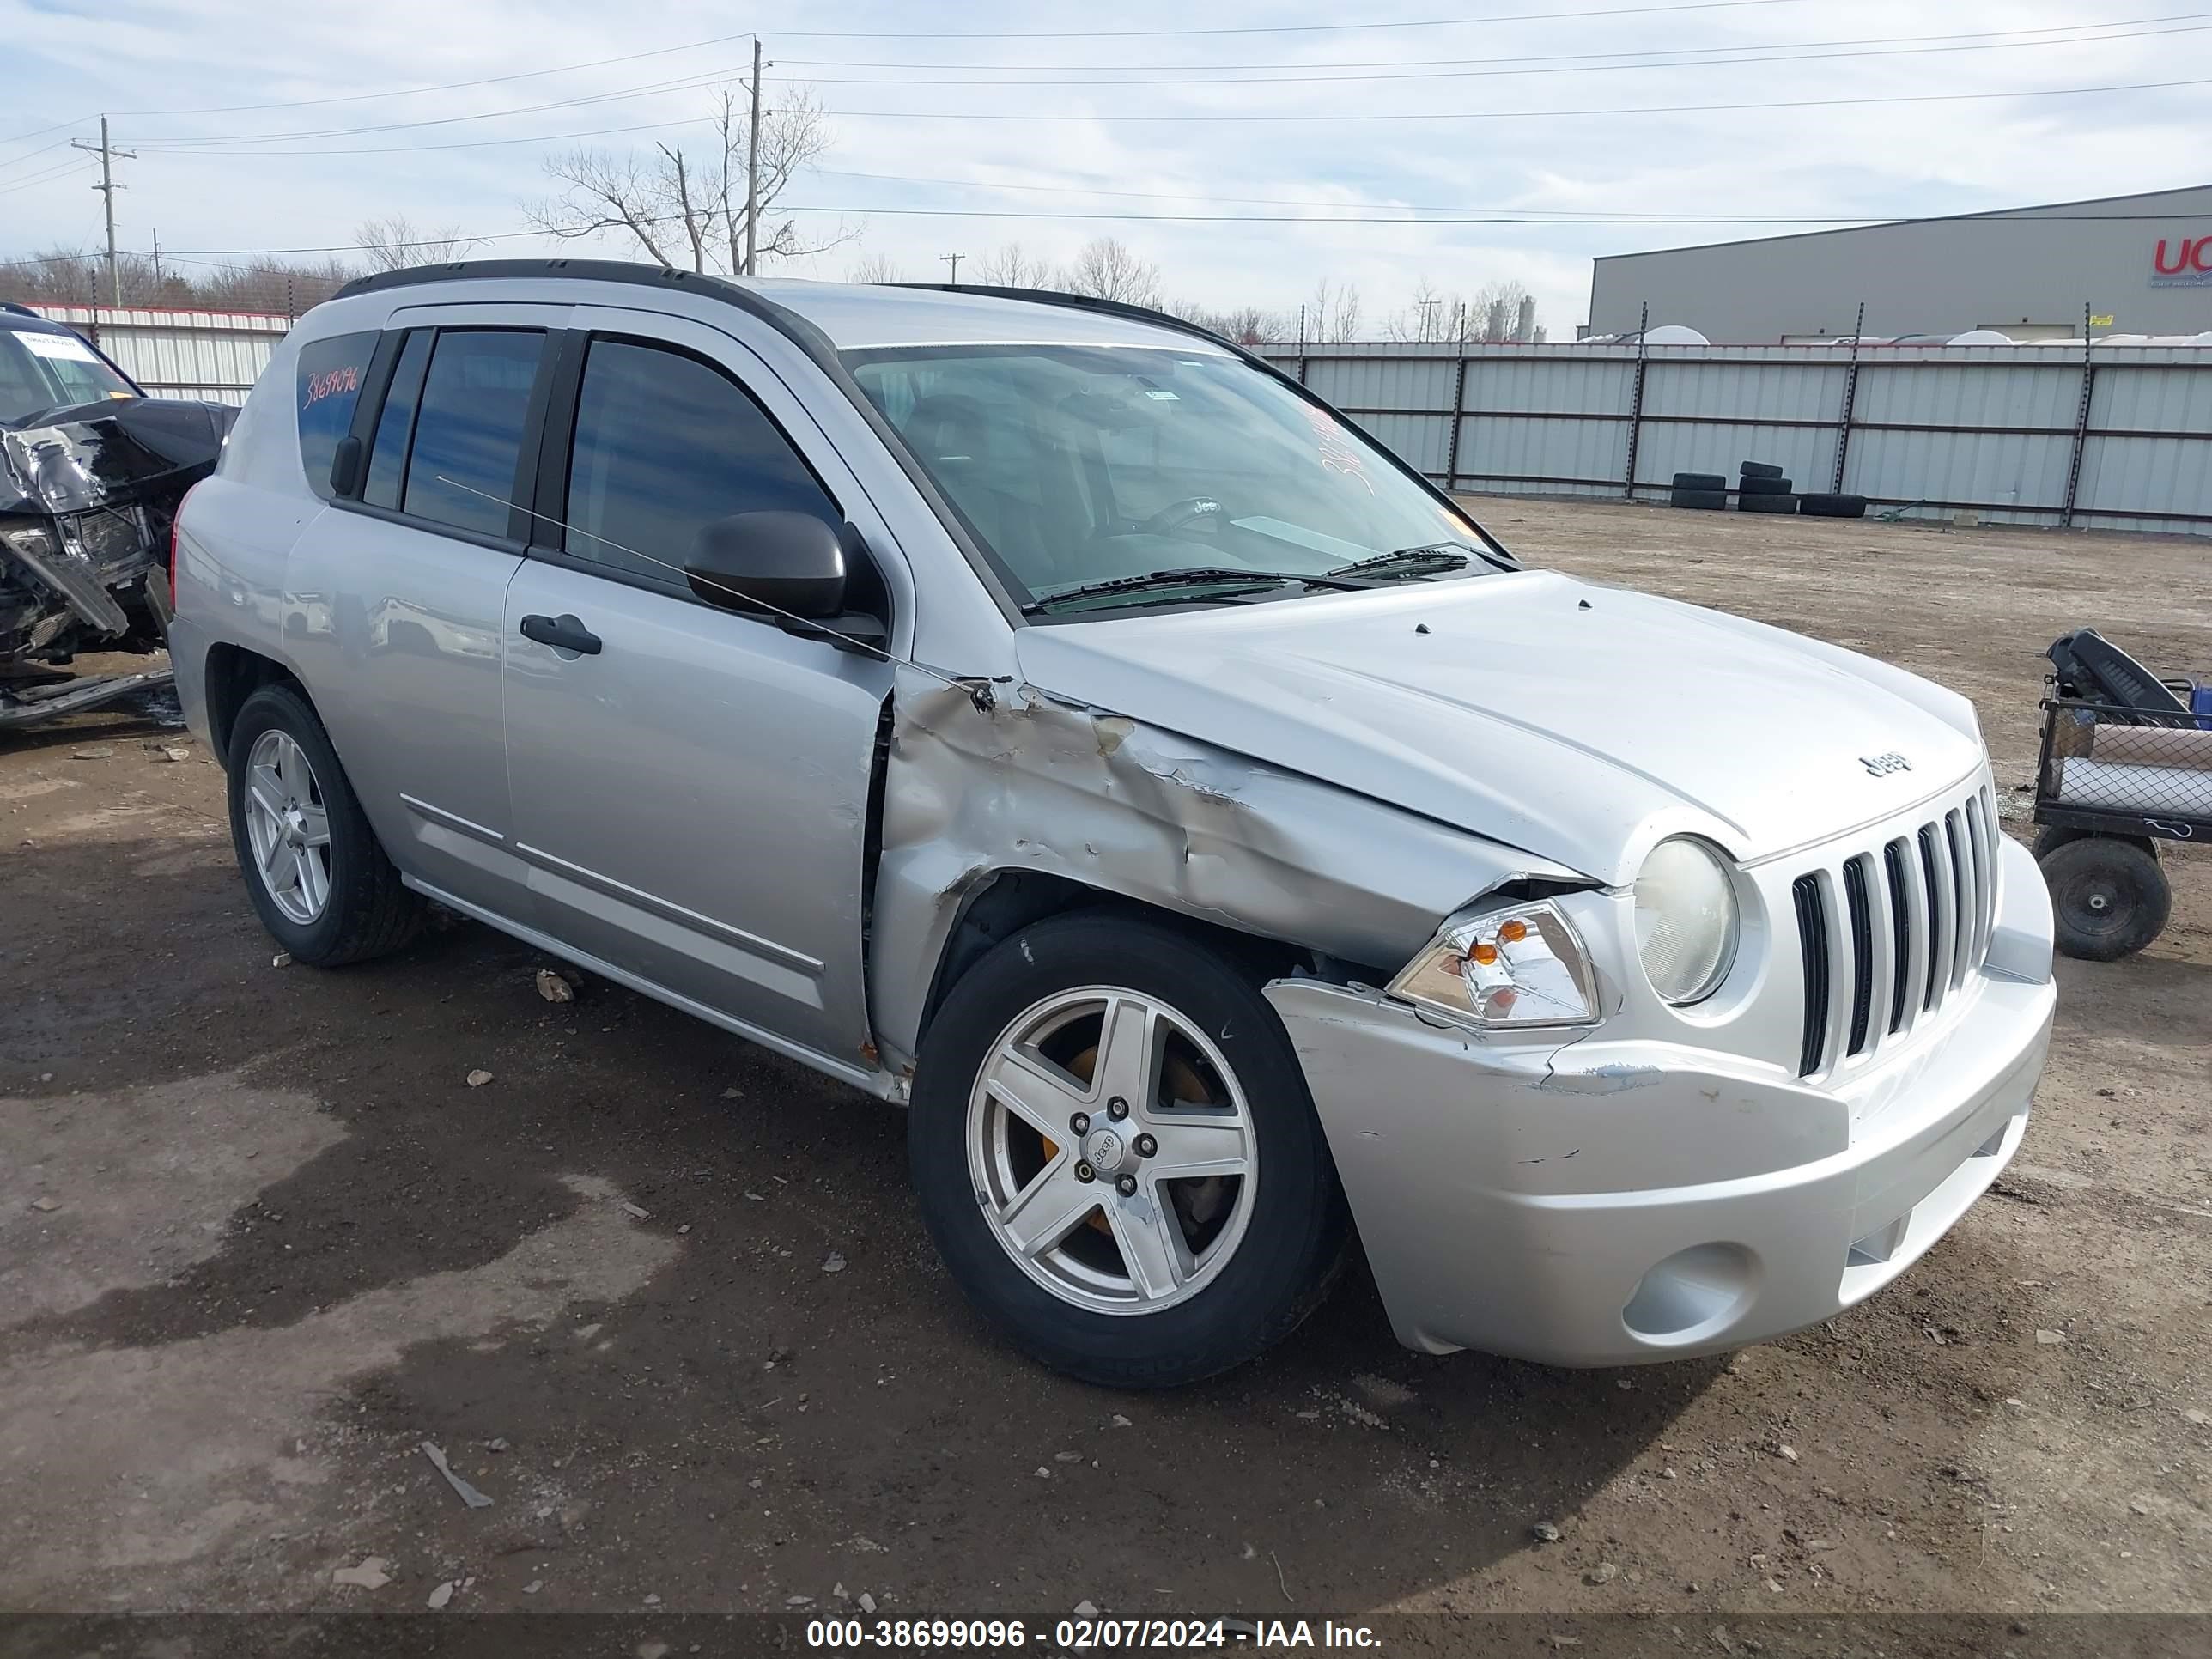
2053,836
2109,896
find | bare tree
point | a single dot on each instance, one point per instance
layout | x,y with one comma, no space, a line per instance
1333,314
69,276
1248,325
1008,266
1494,312
876,268
1105,269
687,206
392,243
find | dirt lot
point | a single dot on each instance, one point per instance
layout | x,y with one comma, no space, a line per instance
259,1240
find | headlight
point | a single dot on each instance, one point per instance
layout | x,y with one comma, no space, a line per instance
1505,969
1686,920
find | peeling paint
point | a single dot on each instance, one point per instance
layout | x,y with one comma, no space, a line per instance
1600,1080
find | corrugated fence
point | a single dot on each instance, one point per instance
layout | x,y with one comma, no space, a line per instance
215,355
2110,438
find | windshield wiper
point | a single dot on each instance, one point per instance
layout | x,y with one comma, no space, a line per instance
1193,576
1432,560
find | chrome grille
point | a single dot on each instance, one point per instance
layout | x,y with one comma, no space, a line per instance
1887,933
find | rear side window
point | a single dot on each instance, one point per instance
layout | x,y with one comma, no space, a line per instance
469,429
329,385
395,424
664,445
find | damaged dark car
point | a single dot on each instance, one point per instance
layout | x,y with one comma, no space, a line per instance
91,474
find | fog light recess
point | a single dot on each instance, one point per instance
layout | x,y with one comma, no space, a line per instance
1693,1295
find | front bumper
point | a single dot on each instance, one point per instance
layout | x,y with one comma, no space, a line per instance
1602,1203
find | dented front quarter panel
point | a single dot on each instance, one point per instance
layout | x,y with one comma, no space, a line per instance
1037,784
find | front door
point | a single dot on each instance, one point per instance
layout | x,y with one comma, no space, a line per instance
691,787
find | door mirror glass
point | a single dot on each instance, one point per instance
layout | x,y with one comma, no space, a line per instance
789,562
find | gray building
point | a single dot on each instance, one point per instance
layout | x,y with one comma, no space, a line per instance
2145,261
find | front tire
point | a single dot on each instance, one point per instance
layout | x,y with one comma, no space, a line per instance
317,875
1117,1157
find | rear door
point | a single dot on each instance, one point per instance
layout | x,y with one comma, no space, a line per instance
692,796
400,589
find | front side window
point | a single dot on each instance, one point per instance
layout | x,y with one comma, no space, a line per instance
41,370
1082,465
665,443
469,427
328,384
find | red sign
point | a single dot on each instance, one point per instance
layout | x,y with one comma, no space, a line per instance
2182,262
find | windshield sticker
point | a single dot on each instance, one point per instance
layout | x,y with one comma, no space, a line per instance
63,348
1161,394
1337,454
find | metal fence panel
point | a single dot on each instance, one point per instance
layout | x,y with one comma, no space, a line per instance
2031,435
213,354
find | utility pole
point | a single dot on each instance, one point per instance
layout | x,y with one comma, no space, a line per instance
1428,307
157,266
752,170
107,187
953,259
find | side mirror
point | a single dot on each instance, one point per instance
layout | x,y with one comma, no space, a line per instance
788,561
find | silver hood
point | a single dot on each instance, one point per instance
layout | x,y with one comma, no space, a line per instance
1576,722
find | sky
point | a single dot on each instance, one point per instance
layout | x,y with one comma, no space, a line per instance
1552,130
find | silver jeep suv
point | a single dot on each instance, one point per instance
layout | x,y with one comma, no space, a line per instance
1040,714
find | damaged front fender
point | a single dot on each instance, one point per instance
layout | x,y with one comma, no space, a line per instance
1037,784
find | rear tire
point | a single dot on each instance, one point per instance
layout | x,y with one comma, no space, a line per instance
2108,896
317,875
1041,1014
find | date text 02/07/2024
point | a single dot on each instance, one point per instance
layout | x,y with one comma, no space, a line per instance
1088,1634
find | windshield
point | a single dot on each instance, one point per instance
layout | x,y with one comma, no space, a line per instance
40,371
1082,465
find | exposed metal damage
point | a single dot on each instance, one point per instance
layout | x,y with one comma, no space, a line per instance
87,495
1042,787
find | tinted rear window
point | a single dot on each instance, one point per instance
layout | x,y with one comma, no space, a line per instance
329,383
468,432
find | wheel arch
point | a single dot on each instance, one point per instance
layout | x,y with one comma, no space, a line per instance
232,674
1001,902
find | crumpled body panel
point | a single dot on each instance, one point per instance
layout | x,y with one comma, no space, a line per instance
1035,784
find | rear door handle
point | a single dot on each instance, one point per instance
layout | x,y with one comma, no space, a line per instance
563,632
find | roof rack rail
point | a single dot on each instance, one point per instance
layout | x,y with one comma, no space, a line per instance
1053,296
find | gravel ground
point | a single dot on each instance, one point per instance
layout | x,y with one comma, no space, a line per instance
260,1240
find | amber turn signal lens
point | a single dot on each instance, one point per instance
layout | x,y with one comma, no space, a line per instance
1513,933
1484,954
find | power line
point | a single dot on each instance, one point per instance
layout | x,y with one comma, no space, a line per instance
850,34
1268,28
1247,117
452,86
1515,114
1522,58
1994,216
694,82
1455,73
685,83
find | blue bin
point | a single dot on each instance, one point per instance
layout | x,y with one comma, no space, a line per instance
2200,703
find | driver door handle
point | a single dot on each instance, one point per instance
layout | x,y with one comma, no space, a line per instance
563,632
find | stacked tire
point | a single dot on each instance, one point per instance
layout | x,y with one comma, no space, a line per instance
1760,488
1832,506
1704,491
